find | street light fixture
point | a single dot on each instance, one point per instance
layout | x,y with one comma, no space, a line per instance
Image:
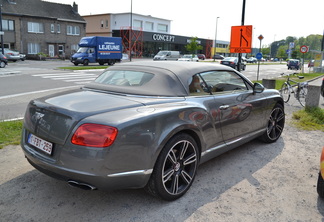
215,38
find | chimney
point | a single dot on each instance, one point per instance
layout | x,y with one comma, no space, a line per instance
75,7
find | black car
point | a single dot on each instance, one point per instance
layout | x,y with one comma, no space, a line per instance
3,61
294,64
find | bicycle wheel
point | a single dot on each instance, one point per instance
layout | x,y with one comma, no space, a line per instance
285,92
301,95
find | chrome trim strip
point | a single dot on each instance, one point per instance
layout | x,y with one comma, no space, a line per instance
130,173
231,142
212,149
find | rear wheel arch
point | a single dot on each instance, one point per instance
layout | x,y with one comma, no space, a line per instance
191,133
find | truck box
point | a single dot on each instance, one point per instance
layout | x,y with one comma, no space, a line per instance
98,49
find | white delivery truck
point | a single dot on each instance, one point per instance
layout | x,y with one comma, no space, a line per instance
167,55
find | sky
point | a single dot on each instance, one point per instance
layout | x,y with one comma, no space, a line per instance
274,20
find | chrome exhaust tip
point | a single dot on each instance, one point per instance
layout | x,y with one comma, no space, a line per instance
82,186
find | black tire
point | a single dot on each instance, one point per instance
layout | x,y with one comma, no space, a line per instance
285,92
276,123
2,64
76,63
86,62
320,185
101,63
175,168
302,94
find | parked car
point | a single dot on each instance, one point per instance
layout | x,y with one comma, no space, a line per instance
201,56
294,64
148,125
3,61
233,62
218,57
320,180
189,58
251,60
311,63
322,88
11,55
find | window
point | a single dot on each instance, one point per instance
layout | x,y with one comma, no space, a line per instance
33,48
8,25
52,28
58,26
73,30
162,28
74,48
101,24
223,82
35,27
107,23
149,26
137,24
124,78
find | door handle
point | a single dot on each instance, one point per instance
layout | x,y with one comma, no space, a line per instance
224,107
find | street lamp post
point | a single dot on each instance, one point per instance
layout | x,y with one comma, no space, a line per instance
215,38
1,34
130,32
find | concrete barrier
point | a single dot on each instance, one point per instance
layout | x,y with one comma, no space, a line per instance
313,96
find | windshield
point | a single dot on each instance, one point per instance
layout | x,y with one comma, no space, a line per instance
82,50
124,78
162,53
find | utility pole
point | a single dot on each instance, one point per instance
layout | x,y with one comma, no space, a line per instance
242,24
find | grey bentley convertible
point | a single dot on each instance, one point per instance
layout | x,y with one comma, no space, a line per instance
148,125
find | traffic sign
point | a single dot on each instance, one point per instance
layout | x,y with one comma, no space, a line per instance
258,56
303,49
241,39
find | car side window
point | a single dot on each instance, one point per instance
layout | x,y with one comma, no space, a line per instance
224,82
197,86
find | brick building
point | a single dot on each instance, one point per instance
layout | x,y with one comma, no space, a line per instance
35,26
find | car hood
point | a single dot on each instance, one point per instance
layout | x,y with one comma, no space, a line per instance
53,117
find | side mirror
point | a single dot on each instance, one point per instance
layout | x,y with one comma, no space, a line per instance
258,88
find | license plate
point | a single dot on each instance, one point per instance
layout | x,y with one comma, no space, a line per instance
226,63
40,143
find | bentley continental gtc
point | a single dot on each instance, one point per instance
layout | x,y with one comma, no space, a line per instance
148,125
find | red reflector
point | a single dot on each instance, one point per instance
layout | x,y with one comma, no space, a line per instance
94,135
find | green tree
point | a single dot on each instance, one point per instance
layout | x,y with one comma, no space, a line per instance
281,53
193,46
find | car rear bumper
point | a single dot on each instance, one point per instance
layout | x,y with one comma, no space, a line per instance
113,181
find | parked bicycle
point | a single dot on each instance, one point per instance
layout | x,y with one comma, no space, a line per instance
299,89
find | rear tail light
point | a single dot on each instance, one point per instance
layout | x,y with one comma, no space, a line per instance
94,135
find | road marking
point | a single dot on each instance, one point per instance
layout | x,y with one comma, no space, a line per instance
34,92
70,77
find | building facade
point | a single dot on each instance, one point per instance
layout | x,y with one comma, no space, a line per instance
36,27
148,34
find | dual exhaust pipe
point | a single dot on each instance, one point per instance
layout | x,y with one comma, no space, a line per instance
80,185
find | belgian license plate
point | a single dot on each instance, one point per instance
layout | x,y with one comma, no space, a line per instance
40,143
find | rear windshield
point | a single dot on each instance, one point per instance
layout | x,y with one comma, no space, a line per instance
124,78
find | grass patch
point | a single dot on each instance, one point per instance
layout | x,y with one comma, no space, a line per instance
309,118
10,132
83,67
